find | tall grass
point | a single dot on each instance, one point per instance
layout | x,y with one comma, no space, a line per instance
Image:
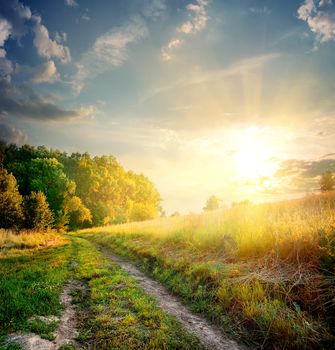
268,267
297,232
27,239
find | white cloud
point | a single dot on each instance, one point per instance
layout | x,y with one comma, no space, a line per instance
198,20
196,23
323,25
47,47
112,46
71,3
5,31
306,10
320,22
6,67
23,11
47,73
60,37
172,44
109,50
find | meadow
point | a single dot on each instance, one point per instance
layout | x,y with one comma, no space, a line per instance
112,311
264,273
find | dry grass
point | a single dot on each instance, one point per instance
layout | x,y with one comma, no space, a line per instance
28,239
298,231
269,267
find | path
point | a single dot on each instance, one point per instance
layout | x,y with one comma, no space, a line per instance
210,336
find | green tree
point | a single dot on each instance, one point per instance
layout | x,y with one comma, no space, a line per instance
327,181
79,215
212,203
11,214
37,212
46,175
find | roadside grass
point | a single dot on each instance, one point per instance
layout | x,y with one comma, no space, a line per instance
115,313
31,281
11,240
264,273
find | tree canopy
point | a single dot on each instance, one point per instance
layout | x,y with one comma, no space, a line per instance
81,190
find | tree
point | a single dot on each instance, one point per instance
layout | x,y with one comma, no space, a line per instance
327,181
37,212
212,203
11,214
46,175
79,215
111,194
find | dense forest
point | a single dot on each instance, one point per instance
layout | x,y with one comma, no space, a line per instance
42,188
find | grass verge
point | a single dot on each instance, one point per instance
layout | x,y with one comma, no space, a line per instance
31,281
116,313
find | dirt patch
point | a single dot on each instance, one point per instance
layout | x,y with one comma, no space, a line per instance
66,331
210,336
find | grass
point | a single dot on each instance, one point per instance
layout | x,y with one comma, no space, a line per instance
10,240
113,310
116,313
31,281
265,273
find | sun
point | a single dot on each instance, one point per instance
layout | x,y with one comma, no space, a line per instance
252,158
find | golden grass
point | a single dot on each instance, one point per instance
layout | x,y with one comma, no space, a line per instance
269,268
298,231
28,239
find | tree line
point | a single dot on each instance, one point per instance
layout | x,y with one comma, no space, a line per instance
42,188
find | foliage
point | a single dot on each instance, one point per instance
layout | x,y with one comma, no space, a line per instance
79,215
46,175
212,203
37,212
11,214
111,194
327,181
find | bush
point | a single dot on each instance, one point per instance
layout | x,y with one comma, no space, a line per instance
37,212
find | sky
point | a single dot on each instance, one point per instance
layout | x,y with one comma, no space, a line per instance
223,97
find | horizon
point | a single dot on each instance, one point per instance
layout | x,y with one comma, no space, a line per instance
203,97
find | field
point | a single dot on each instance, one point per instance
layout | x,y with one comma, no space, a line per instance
112,311
264,273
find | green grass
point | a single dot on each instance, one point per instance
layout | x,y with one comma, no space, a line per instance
264,273
30,285
116,313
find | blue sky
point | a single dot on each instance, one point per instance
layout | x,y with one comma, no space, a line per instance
233,98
